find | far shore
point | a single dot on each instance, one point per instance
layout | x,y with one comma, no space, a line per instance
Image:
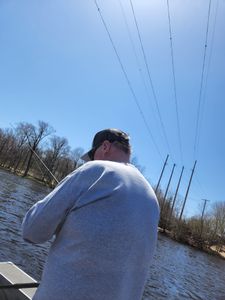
210,250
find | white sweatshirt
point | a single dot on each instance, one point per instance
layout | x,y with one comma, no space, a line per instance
104,216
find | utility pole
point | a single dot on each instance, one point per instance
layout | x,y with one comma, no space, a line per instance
175,196
203,210
160,177
185,199
167,188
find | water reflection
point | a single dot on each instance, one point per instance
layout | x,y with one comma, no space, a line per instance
181,272
178,271
16,196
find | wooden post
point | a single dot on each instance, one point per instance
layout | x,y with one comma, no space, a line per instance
160,177
185,199
167,188
175,196
203,210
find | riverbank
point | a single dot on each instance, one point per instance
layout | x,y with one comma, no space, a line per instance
29,176
213,250
220,253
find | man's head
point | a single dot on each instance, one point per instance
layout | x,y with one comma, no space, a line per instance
109,144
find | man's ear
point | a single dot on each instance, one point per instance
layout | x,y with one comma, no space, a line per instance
106,146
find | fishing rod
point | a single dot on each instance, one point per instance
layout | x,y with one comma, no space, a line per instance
43,162
27,285
56,180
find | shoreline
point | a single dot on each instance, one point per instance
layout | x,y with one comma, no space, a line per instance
28,176
189,242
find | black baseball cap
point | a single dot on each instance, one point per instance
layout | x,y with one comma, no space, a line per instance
111,135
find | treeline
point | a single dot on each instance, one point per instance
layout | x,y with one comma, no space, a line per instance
26,148
204,231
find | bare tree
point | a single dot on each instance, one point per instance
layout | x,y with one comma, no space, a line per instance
59,148
20,149
65,167
7,143
76,155
2,140
34,136
218,224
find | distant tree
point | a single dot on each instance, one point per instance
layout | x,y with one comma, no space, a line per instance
7,145
2,140
194,224
65,167
20,149
218,222
59,148
34,136
75,156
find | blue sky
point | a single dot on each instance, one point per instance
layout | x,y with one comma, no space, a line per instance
58,65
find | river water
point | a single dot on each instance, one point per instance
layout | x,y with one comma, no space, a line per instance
177,272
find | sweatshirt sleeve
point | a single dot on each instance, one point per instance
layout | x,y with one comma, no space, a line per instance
44,218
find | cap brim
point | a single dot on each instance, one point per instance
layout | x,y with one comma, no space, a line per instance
85,157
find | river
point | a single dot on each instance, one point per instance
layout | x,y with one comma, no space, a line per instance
177,271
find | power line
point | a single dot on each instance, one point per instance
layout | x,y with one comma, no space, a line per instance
197,130
127,79
209,63
137,59
130,37
149,77
174,82
135,53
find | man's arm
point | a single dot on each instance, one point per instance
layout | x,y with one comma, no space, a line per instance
46,216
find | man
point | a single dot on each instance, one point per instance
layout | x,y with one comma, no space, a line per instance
104,216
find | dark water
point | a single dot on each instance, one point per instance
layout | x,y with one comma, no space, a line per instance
177,272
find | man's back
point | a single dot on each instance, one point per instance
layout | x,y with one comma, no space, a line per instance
105,243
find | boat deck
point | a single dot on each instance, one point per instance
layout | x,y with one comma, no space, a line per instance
11,274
